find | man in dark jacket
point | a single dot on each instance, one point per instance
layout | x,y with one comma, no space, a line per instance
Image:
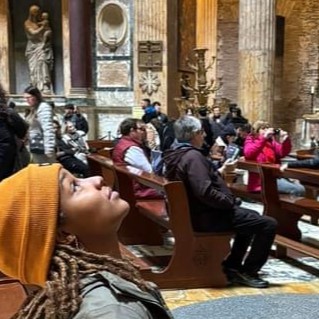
214,208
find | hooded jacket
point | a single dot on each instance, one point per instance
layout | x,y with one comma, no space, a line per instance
211,202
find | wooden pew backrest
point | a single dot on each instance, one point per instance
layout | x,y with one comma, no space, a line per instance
305,153
99,144
12,296
287,210
176,198
103,166
240,189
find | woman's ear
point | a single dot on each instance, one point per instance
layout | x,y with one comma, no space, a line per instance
65,238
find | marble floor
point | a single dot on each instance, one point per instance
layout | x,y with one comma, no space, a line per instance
284,277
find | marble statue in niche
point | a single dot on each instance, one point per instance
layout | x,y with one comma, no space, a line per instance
39,52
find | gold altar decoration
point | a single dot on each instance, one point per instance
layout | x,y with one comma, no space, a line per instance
196,96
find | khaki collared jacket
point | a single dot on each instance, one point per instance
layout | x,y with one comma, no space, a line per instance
106,295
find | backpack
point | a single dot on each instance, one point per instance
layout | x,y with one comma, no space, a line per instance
167,135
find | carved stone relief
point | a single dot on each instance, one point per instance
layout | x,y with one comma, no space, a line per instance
149,82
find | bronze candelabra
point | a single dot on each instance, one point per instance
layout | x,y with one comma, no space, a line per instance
195,96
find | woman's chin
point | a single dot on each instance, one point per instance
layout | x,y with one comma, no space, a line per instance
126,207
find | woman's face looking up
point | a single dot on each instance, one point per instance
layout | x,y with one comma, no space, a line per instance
90,210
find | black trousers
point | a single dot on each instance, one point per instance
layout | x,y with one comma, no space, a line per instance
251,229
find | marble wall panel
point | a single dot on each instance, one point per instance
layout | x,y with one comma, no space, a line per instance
113,74
114,99
109,123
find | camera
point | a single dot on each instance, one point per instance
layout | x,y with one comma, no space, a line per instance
277,131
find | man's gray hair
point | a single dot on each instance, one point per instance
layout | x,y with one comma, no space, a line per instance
186,127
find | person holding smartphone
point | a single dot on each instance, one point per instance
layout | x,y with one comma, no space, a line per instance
269,145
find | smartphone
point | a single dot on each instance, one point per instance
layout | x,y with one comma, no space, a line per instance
235,154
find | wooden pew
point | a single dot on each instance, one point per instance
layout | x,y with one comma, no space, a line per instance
99,144
196,257
305,153
12,296
288,210
240,189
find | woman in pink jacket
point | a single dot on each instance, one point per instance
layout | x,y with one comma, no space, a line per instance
267,145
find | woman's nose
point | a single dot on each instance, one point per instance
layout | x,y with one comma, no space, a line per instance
96,181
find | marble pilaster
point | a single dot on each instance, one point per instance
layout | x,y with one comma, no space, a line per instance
66,46
80,45
150,24
4,45
206,33
257,22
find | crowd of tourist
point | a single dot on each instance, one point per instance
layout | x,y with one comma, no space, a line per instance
41,136
72,226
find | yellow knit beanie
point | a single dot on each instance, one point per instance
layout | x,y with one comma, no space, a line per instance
29,203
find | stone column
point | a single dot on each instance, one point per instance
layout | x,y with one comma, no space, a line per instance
4,45
257,22
80,45
206,34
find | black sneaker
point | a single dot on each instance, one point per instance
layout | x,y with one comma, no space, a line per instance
230,274
249,280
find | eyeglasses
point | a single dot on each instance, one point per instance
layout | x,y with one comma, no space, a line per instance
141,129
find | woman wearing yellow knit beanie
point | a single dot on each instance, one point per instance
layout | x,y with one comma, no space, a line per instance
60,233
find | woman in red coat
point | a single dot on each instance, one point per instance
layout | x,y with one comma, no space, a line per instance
267,145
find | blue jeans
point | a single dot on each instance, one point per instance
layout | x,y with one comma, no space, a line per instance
285,186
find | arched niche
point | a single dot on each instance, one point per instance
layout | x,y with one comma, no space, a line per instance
112,25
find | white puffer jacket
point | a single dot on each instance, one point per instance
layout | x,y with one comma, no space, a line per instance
42,123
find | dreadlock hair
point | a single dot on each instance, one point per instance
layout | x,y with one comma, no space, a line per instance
60,299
